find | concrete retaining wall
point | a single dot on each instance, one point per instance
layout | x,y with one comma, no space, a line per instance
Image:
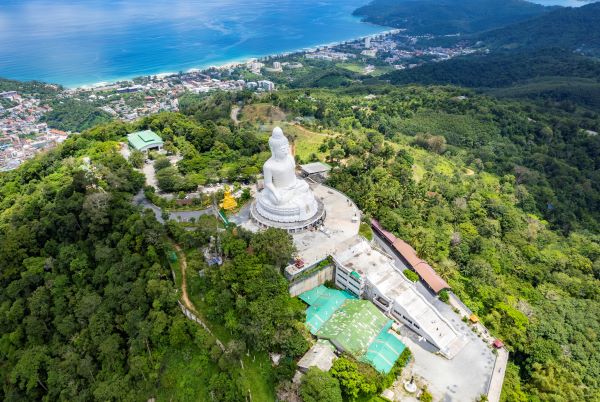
312,281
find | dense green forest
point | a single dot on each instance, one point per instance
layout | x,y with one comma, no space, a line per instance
89,308
74,115
536,147
37,88
443,17
500,69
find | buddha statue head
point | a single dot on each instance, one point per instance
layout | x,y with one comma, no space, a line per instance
279,144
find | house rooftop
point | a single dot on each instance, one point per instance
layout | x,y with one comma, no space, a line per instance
314,168
321,355
356,254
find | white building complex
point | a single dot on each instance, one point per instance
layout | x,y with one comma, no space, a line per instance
370,274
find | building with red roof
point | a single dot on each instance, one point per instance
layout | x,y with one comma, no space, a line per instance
410,258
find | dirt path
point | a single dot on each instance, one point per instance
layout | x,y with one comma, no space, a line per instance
235,111
187,306
183,265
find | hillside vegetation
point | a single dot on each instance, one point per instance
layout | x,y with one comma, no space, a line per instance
89,309
566,28
443,17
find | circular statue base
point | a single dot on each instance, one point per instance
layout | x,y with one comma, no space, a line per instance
291,227
410,387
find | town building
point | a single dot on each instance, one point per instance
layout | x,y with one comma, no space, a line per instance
409,257
321,355
266,85
315,170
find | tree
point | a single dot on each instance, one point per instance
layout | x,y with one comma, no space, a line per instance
320,386
161,163
425,395
443,295
355,378
274,245
136,158
412,276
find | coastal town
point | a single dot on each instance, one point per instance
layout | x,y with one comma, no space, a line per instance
25,129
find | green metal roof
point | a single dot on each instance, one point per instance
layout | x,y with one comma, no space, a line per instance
355,274
144,139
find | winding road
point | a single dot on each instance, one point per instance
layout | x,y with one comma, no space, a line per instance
183,216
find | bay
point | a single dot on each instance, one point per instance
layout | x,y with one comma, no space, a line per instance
78,42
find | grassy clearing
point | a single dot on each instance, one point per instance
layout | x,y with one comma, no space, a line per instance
257,376
261,113
365,231
360,68
306,142
354,67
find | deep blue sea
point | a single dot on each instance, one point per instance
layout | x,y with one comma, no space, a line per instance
77,42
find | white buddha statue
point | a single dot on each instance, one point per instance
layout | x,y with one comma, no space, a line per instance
285,198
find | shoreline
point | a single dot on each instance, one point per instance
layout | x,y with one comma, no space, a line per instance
234,63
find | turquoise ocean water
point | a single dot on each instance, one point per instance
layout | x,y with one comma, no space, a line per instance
77,42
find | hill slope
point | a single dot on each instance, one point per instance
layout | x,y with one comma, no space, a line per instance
555,44
420,160
568,28
500,69
442,17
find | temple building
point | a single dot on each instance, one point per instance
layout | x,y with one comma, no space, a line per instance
146,140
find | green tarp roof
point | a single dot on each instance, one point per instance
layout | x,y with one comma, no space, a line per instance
384,351
141,139
323,303
352,325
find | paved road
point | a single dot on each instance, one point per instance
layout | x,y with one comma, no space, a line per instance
183,216
495,388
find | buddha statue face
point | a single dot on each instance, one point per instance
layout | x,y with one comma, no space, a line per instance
279,145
